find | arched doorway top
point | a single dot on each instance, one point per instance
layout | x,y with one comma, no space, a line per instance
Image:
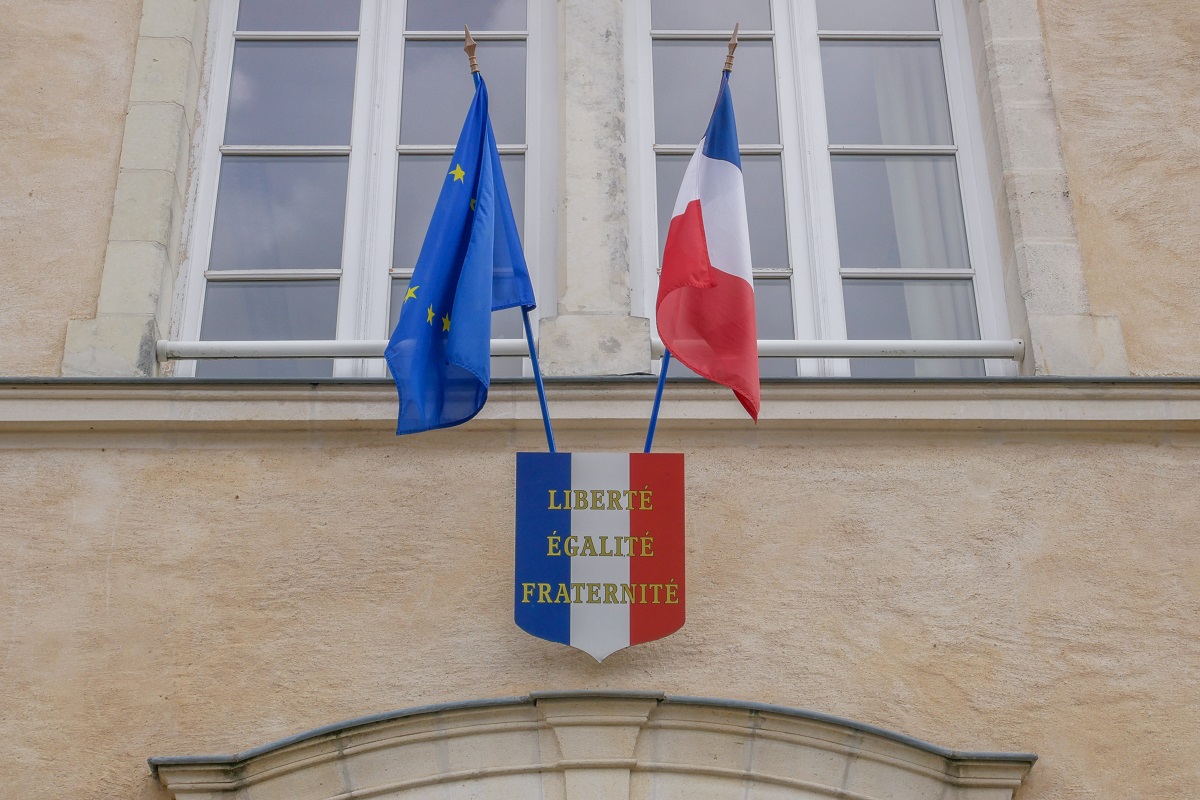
592,744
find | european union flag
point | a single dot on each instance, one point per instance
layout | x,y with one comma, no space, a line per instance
470,265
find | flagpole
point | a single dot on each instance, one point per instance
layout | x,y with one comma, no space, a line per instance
537,376
662,380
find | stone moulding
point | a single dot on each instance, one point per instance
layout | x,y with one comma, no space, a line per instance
608,745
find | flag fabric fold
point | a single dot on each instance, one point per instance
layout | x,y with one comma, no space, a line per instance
470,265
705,307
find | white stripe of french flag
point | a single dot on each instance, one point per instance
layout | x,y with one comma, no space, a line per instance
705,307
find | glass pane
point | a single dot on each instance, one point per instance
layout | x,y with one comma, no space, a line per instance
686,78
419,180
481,15
298,15
886,93
506,324
710,15
763,179
438,91
927,309
876,15
899,212
774,320
291,93
280,213
263,311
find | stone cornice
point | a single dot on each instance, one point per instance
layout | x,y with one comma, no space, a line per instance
1044,405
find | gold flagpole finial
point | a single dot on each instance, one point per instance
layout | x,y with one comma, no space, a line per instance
732,46
469,49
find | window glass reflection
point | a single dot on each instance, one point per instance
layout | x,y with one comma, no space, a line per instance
886,93
291,93
263,311
710,15
876,15
683,99
917,309
298,15
899,212
280,213
438,89
480,15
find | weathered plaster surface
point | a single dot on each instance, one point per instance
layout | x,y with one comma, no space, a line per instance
205,593
1126,82
65,72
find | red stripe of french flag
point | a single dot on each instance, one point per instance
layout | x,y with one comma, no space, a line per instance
705,307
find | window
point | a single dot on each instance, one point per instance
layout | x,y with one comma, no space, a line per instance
862,158
329,127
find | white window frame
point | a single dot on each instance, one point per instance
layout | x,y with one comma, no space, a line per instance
818,308
365,275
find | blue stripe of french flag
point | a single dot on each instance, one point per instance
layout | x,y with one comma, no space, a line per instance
705,308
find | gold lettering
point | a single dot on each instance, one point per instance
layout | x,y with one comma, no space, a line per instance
628,499
554,545
581,499
563,595
543,593
647,546
672,593
593,593
571,546
598,499
604,551
627,593
614,500
610,593
554,506
655,587
647,499
526,592
577,588
589,547
619,541
643,600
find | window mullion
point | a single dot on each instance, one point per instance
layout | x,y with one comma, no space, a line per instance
823,280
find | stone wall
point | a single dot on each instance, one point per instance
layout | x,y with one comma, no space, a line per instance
1127,87
65,71
176,593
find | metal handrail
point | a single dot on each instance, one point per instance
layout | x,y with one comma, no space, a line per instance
1010,349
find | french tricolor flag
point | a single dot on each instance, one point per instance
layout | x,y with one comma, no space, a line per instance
705,305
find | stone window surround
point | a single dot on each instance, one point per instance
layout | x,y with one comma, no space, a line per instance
592,744
593,332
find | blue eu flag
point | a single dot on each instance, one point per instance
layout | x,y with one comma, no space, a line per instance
470,265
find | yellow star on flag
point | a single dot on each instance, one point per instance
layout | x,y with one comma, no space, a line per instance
430,318
472,203
411,294
458,173
446,322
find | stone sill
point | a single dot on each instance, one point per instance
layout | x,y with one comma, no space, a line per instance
603,405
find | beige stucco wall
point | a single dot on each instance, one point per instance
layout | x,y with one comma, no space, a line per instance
65,72
1127,86
181,593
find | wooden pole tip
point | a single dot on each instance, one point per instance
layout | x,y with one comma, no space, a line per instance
733,43
469,49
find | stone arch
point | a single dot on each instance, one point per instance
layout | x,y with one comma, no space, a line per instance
596,746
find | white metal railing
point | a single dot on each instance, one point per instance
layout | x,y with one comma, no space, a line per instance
1010,349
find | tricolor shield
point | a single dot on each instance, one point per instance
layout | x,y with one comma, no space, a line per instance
600,553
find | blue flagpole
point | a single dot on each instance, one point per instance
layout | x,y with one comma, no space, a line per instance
537,375
662,380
